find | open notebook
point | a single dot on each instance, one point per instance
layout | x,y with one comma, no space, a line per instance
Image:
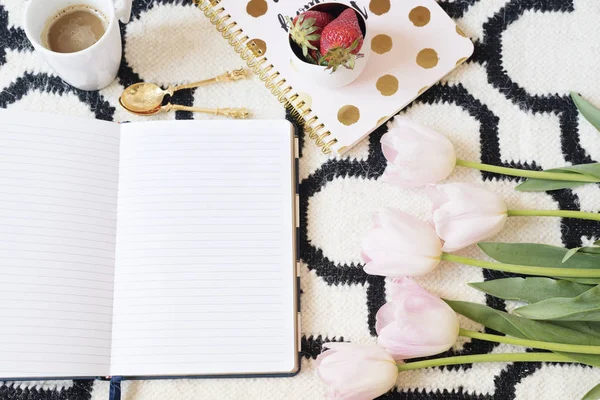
155,249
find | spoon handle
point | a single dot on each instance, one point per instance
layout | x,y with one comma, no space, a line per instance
227,112
228,76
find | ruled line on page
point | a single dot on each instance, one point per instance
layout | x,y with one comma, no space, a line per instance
54,301
62,277
96,179
61,261
70,145
113,141
60,167
64,237
87,162
70,295
60,190
67,319
64,198
61,328
61,129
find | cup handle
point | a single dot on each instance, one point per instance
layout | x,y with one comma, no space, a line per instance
123,10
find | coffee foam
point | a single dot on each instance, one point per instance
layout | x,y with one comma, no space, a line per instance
81,36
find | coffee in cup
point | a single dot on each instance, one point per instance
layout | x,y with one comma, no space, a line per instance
80,39
73,29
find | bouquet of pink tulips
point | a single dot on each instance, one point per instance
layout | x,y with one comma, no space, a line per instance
562,297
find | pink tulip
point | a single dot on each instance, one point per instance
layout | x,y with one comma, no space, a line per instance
415,323
356,372
465,214
400,245
416,155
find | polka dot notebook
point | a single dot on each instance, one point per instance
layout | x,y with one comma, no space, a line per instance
409,46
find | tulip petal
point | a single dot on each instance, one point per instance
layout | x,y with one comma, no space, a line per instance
401,245
385,316
356,372
463,231
465,214
416,154
415,323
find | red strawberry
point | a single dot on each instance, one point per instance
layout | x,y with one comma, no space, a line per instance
306,29
341,41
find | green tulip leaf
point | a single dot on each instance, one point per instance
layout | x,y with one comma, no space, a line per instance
585,307
588,328
524,328
593,394
539,255
530,290
570,253
585,281
541,185
589,112
591,169
595,249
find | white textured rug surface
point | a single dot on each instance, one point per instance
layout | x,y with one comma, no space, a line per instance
507,106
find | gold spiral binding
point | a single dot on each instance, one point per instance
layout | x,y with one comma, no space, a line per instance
254,57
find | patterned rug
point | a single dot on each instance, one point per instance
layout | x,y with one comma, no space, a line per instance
507,106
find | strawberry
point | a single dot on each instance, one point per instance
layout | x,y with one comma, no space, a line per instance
306,29
341,40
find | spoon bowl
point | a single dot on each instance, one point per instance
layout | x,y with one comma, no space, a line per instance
140,110
143,98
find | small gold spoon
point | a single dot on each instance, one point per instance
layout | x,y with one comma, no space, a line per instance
144,97
227,112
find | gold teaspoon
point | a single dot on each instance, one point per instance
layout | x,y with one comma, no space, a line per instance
144,97
239,113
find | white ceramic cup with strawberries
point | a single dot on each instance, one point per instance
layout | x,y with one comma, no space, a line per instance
328,44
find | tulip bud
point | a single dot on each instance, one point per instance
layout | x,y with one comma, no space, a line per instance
415,323
465,214
416,155
356,372
400,245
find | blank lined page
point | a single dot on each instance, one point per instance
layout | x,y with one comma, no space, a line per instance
58,198
205,266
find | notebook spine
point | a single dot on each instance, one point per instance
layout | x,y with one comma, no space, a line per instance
252,52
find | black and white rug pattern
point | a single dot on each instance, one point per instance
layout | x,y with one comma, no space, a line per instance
508,106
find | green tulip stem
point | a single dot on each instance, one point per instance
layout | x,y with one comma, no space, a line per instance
551,176
524,269
555,213
562,347
481,358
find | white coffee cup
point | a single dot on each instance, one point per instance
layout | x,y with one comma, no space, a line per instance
94,67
